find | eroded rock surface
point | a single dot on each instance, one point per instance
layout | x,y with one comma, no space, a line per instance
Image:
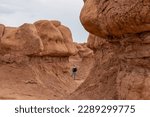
84,51
120,38
21,40
34,61
116,17
56,38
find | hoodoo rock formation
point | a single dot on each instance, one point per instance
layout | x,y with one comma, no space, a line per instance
120,38
34,61
56,38
106,18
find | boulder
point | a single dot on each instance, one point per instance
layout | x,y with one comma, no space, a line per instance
23,40
55,38
109,18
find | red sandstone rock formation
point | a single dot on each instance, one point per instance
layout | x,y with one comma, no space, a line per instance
56,38
106,18
122,49
34,61
23,40
84,51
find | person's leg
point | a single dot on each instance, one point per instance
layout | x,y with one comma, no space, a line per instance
74,75
71,74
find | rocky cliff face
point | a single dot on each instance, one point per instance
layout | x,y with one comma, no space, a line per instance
34,61
121,42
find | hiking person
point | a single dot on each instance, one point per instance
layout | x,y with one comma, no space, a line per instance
74,70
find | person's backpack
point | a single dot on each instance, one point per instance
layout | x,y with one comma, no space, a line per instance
74,69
